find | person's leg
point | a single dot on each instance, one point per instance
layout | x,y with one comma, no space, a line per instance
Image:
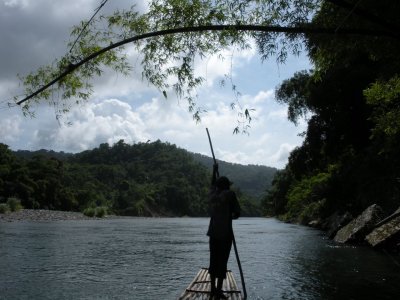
220,294
213,286
212,267
224,250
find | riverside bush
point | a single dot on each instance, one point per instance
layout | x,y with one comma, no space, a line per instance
4,208
90,211
311,212
14,204
307,196
100,211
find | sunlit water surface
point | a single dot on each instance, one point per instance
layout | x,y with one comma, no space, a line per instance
144,258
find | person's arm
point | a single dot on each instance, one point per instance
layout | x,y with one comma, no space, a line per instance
213,188
214,175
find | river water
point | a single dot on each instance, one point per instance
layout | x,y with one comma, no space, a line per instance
145,258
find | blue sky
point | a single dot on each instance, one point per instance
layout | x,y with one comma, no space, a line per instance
36,31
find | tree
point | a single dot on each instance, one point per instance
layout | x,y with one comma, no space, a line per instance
174,33
274,203
351,101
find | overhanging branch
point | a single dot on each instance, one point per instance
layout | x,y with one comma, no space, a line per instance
238,27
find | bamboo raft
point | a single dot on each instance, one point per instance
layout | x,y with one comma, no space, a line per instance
200,287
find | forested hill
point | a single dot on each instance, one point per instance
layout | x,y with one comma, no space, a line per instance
43,152
253,180
146,179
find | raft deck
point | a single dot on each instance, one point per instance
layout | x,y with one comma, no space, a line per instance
200,287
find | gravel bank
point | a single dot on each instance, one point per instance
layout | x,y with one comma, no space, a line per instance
43,215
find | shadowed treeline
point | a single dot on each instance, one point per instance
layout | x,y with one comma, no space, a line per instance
143,179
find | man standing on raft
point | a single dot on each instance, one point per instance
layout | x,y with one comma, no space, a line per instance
224,207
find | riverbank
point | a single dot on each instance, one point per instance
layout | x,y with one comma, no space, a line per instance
44,215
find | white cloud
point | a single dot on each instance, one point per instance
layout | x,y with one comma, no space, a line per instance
16,3
108,121
261,141
269,141
279,114
236,156
282,154
111,120
10,129
226,62
263,96
112,84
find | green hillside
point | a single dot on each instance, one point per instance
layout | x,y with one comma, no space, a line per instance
253,180
144,179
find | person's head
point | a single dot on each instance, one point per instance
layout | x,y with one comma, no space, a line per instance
223,183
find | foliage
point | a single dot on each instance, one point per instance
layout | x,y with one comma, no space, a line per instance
249,206
274,203
4,208
294,92
89,212
311,211
384,97
98,212
307,196
14,204
144,179
349,157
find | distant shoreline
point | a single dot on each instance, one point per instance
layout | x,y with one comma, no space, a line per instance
44,215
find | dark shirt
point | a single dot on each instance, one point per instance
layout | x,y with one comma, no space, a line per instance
224,207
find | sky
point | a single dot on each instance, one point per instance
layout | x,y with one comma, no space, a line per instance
35,32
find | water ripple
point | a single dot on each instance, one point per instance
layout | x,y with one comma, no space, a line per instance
142,258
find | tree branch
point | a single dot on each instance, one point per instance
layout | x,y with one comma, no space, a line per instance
238,27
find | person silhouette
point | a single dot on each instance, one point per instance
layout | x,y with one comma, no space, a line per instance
224,207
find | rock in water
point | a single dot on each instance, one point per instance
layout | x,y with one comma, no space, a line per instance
386,236
357,229
335,222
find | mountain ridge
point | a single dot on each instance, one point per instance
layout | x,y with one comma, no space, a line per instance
252,179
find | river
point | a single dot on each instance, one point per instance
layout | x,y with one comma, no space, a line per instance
156,258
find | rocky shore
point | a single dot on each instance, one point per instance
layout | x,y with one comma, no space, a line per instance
44,215
371,228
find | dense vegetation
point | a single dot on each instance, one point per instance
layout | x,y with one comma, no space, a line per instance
349,158
144,179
